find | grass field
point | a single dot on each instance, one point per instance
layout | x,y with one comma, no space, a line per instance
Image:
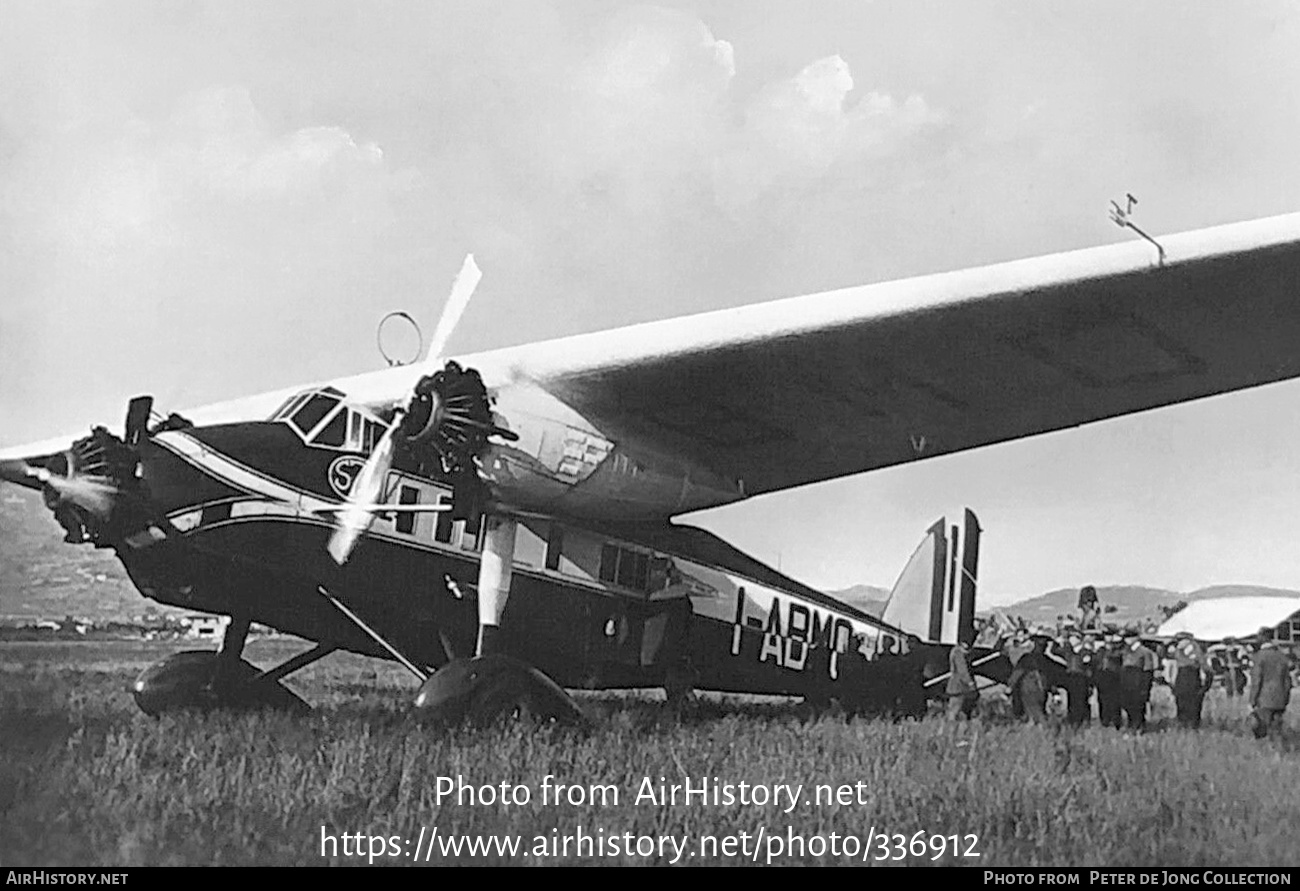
87,780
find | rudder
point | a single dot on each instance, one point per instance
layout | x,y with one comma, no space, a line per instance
934,597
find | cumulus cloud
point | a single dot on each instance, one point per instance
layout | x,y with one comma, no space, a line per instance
654,109
221,172
137,184
217,141
648,166
797,129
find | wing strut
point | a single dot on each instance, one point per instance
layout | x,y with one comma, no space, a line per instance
374,635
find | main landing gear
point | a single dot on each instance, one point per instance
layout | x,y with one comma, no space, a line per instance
494,687
491,685
485,687
204,680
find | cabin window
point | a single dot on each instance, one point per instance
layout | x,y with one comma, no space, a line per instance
609,563
444,528
471,534
660,571
625,567
554,545
406,519
634,570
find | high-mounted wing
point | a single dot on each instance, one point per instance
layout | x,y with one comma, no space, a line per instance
809,388
794,391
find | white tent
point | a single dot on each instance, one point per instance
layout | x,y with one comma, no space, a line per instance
1222,617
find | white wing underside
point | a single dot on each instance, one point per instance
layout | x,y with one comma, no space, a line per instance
1221,617
794,391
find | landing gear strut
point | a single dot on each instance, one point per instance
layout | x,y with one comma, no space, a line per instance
205,680
493,685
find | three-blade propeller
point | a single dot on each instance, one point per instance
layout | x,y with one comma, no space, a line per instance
358,511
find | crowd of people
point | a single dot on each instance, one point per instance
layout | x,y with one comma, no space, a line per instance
1083,657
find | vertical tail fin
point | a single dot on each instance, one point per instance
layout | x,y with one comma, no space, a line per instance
934,597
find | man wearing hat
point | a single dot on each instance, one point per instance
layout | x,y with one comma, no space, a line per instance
1029,681
1192,678
1105,677
1234,666
1015,648
963,695
1078,686
1270,685
1136,673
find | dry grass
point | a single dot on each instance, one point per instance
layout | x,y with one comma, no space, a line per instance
87,780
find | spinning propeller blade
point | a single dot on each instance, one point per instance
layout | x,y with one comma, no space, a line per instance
93,493
461,290
368,490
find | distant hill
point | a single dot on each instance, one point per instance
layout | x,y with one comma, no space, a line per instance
41,577
868,598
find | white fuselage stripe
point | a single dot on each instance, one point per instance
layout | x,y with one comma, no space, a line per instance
240,476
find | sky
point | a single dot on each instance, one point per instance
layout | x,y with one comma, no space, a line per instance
201,200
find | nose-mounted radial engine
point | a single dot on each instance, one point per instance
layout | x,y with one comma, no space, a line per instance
94,488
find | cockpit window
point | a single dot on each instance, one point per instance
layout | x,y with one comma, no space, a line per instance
288,407
311,414
335,432
374,433
322,418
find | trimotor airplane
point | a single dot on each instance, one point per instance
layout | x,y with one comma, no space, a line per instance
517,504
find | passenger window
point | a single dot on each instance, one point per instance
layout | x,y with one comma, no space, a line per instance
406,519
659,571
471,534
634,570
445,526
609,563
554,545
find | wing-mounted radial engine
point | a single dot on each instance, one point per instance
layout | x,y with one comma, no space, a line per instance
446,427
446,432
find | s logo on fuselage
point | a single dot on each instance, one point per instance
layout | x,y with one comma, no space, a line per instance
343,473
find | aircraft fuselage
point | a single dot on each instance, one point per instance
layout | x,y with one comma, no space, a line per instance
250,509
